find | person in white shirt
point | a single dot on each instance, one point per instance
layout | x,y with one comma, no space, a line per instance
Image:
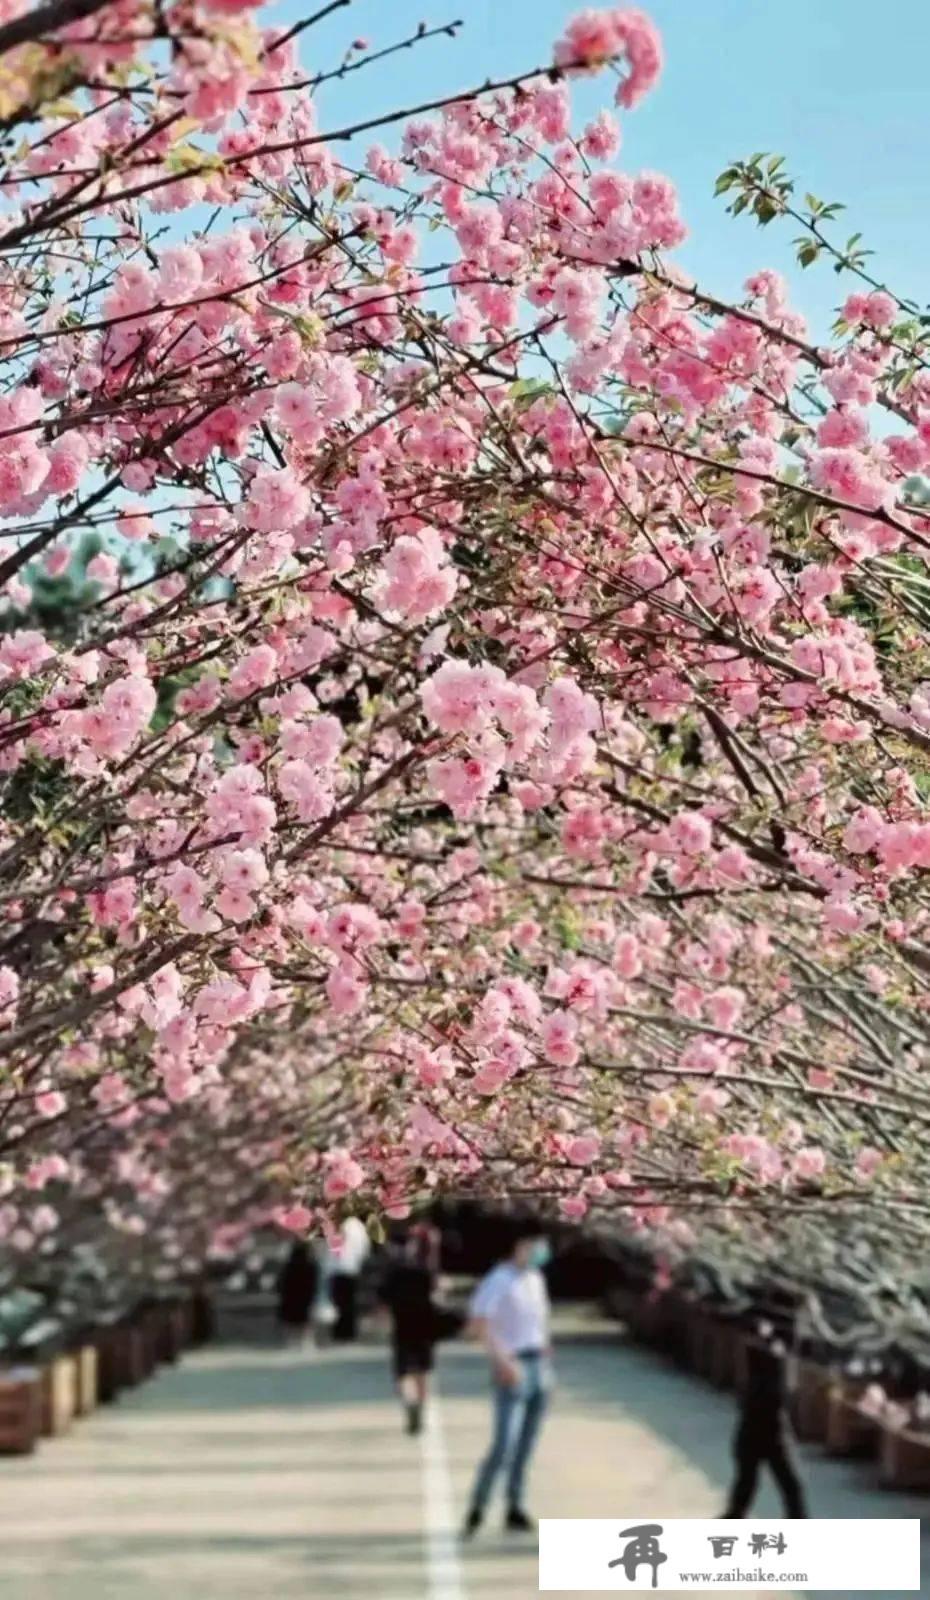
510,1315
347,1261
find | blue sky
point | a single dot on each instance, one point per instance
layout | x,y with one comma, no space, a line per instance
839,87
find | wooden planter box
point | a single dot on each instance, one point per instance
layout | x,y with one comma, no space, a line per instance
146,1330
203,1317
107,1374
139,1355
669,1323
112,1361
700,1344
676,1315
172,1332
154,1324
167,1332
187,1322
904,1458
169,1335
20,1413
122,1359
647,1319
725,1345
87,1376
809,1403
638,1312
59,1395
617,1302
689,1345
850,1431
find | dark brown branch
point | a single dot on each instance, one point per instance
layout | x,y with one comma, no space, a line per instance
45,19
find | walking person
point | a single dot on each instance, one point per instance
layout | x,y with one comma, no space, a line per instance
323,1312
407,1292
762,1433
297,1286
510,1315
347,1262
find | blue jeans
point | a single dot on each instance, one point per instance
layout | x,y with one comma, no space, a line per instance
513,1439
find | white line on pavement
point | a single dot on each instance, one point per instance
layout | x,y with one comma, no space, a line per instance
442,1553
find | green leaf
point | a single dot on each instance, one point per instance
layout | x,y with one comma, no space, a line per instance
187,158
376,1229
568,927
526,390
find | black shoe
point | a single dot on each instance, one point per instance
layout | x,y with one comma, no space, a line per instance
472,1522
517,1521
414,1419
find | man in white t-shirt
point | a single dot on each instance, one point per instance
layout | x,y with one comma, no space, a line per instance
510,1315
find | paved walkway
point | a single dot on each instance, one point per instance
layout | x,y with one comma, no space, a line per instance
258,1474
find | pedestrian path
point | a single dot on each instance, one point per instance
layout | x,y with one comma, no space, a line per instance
263,1474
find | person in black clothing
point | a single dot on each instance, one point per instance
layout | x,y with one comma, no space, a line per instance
762,1430
297,1285
407,1292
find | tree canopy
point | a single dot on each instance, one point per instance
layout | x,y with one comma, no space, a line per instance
464,690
